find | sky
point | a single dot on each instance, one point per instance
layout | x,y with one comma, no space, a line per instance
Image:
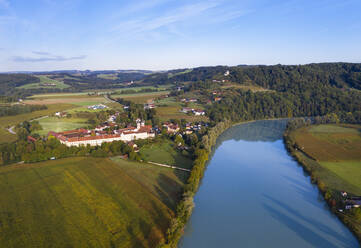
41,35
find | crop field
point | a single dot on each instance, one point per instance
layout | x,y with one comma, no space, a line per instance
59,95
151,177
8,121
163,152
141,97
331,143
85,202
60,124
55,84
337,148
80,101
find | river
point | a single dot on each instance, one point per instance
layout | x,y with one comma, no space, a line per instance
254,194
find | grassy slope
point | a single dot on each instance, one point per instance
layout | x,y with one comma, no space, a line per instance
7,121
163,152
85,202
45,80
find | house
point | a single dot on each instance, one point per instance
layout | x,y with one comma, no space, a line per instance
354,202
60,114
187,110
149,106
198,112
171,127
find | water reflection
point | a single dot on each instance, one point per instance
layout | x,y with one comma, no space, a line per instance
255,195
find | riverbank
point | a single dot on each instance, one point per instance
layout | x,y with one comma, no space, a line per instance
185,206
324,151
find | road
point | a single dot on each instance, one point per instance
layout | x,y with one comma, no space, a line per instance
11,130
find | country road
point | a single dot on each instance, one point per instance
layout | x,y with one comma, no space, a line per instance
11,130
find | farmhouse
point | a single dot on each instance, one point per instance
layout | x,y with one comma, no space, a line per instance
198,112
97,137
171,127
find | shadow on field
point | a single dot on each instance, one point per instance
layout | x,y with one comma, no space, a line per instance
169,190
136,242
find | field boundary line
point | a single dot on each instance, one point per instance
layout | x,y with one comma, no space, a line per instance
169,166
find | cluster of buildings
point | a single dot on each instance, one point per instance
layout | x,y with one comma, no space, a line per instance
61,114
173,128
102,134
149,106
189,100
196,112
97,106
351,202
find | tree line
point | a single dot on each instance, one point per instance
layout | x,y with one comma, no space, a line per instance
19,109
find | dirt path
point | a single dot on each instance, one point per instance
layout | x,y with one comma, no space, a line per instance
169,166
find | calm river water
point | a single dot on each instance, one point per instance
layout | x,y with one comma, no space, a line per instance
254,194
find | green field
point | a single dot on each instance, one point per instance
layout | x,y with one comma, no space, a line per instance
45,80
141,98
336,150
163,152
8,121
60,124
333,155
86,202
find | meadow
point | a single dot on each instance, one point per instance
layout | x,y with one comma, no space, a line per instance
45,80
86,202
164,152
141,98
60,124
337,151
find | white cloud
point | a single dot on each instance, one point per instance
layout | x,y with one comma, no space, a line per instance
178,15
45,57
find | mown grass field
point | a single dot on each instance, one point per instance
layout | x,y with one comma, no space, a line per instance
8,121
60,124
337,149
331,142
163,152
45,80
141,97
83,100
86,202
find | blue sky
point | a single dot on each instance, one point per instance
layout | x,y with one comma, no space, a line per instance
165,34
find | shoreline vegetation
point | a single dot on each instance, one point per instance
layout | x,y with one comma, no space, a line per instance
185,206
329,183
